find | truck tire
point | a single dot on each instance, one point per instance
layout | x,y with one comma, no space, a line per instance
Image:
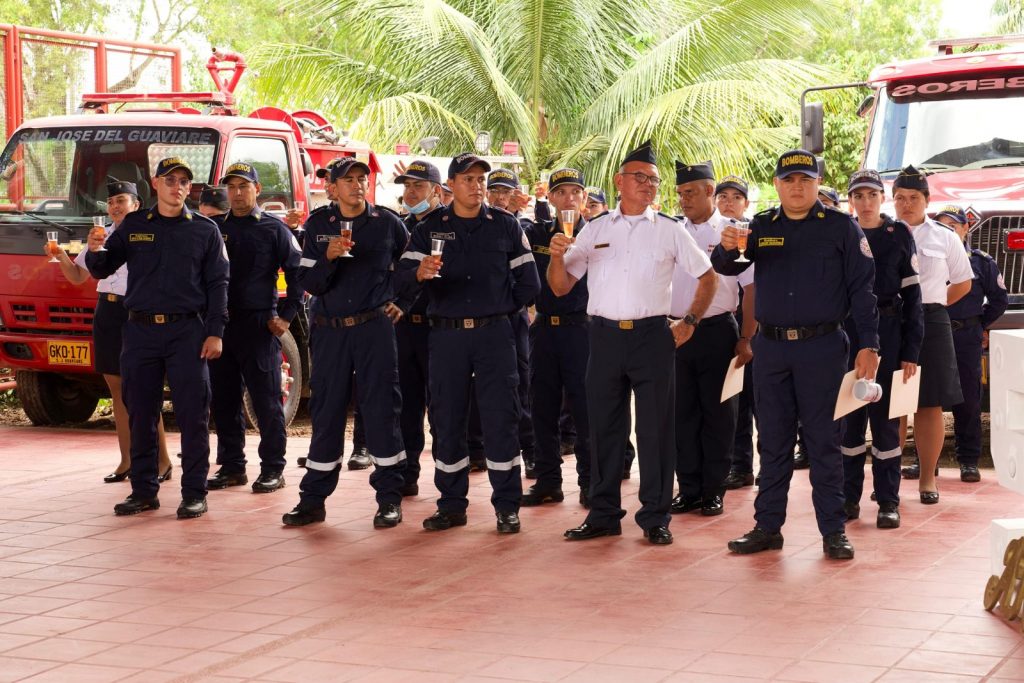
50,399
291,383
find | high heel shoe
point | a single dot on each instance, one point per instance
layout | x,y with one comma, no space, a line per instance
166,476
929,497
115,477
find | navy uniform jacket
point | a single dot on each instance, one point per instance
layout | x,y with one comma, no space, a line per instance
362,283
539,234
809,272
897,282
987,297
419,304
175,265
487,265
259,244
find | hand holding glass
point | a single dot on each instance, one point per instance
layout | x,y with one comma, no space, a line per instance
346,233
97,225
742,232
436,248
51,245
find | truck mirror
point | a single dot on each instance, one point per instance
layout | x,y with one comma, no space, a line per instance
866,105
812,128
307,163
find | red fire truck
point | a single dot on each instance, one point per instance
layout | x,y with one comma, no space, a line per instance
52,177
960,117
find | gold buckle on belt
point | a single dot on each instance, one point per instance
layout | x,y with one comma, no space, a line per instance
348,322
792,335
417,318
625,324
112,298
555,320
160,319
468,323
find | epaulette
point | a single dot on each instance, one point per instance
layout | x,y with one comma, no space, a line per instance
321,208
665,215
985,254
593,218
388,209
771,213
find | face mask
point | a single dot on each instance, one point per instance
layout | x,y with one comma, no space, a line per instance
418,209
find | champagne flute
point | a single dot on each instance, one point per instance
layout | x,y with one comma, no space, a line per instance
568,221
51,245
742,232
346,232
300,206
97,224
436,247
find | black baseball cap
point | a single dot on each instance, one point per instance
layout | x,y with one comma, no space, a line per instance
326,170
733,182
345,164
596,194
830,193
566,176
502,177
796,161
464,162
420,170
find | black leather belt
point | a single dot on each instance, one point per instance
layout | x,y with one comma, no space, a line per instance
797,333
416,319
112,298
716,319
965,323
464,323
933,307
630,324
562,319
159,318
891,309
348,320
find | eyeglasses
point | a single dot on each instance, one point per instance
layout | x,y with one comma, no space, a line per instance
642,178
176,182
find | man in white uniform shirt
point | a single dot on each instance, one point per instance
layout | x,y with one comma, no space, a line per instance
629,256
705,425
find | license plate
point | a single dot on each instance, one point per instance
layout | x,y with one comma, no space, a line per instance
78,354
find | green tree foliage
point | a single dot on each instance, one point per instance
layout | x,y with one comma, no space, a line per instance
1010,14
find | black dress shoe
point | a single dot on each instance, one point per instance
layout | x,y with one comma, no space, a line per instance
529,469
359,460
223,480
535,496
302,515
837,546
388,515
441,520
756,540
851,510
888,515
585,498
738,480
585,532
301,462
267,482
190,508
567,448
929,497
166,476
682,504
801,461
711,506
508,522
133,506
477,465
412,489
970,474
911,471
658,535
115,477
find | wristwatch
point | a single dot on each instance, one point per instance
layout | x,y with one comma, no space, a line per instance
691,320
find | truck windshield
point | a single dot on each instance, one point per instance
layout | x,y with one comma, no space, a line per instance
944,126
62,172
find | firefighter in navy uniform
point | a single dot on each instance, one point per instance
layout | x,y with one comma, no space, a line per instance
814,268
352,334
484,276
559,349
258,244
900,332
177,306
970,318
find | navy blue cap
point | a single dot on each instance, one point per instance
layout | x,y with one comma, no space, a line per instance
464,162
566,176
734,182
644,153
911,179
212,194
687,173
830,193
954,212
867,177
116,187
596,194
242,170
444,186
342,166
420,170
326,170
502,177
796,161
165,166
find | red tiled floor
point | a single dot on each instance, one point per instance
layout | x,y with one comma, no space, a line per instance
87,596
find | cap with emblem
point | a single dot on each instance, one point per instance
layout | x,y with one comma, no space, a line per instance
732,182
644,154
796,161
596,194
502,177
241,170
954,212
343,165
911,179
326,170
828,193
464,162
687,173
212,194
865,178
566,176
116,187
165,166
420,170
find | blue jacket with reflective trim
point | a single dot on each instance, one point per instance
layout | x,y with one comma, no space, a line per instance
987,298
540,233
175,265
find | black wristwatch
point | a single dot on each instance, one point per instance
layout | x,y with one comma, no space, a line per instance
691,320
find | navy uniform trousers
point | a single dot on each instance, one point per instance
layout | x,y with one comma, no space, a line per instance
368,350
643,359
558,367
967,415
487,354
149,353
705,425
885,433
251,360
743,445
413,374
799,380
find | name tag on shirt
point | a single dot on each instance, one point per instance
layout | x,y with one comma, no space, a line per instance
442,235
325,238
603,245
141,237
770,241
542,250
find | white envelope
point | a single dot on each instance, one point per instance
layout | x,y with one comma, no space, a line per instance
903,400
846,403
733,380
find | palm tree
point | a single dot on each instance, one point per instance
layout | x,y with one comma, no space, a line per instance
574,81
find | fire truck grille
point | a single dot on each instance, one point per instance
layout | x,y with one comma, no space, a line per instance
49,320
990,237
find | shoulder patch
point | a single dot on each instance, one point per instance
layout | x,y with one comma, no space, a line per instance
914,263
1000,281
865,248
524,240
979,252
